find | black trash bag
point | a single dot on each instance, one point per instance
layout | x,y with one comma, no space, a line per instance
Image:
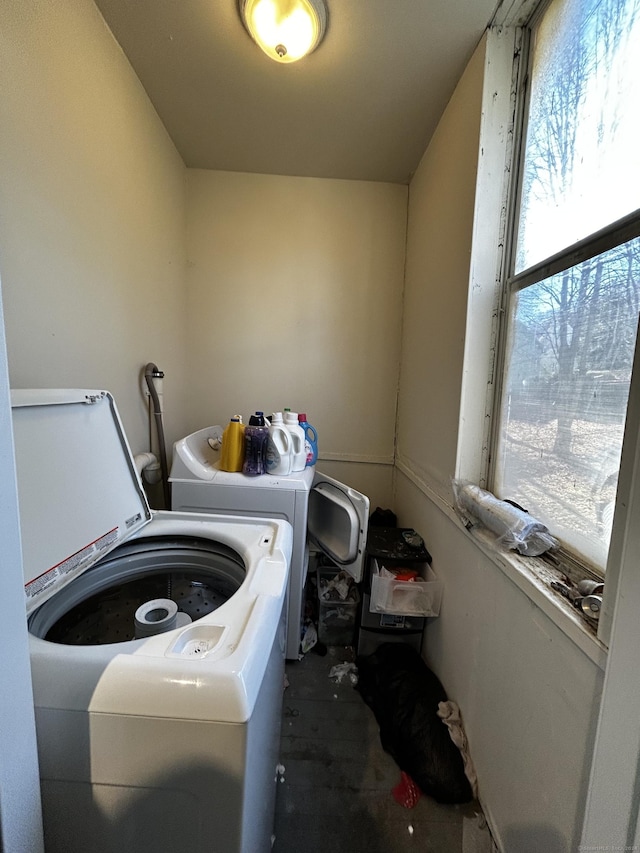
383,518
404,695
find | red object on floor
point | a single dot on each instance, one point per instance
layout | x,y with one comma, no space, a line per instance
406,792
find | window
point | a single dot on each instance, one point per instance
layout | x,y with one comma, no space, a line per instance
573,285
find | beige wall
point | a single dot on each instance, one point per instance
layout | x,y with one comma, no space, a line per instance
294,299
292,296
91,214
442,195
528,695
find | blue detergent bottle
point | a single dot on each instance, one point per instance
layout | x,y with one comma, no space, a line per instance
310,439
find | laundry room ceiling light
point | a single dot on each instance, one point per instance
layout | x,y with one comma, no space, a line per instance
286,30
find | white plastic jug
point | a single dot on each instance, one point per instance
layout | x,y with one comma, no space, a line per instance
299,451
279,447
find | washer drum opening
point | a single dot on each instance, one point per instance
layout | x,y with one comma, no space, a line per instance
99,607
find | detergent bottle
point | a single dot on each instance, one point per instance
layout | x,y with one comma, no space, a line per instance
310,439
279,447
232,454
299,456
256,436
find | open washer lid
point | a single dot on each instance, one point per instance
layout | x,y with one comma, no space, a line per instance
78,490
338,521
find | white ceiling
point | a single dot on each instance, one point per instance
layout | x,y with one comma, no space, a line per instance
362,106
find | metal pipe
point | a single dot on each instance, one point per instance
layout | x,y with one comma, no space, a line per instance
152,372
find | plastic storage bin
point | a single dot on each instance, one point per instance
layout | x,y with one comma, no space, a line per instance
420,597
391,546
337,617
377,628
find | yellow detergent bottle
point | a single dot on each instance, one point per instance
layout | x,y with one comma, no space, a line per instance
232,454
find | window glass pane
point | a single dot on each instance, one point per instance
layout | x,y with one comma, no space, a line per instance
582,156
564,402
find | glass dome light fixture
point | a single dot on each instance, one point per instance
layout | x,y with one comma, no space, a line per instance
286,30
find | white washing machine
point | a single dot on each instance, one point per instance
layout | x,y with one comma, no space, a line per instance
169,741
321,510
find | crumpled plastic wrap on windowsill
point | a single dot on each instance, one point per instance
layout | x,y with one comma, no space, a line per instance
514,528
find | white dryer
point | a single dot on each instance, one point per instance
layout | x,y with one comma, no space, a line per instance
321,510
169,741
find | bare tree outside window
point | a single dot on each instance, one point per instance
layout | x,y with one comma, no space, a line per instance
572,334
582,158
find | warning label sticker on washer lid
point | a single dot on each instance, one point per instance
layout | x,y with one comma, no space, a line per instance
69,568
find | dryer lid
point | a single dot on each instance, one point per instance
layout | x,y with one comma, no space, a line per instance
78,490
338,520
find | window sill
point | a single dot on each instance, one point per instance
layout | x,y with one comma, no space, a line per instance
533,577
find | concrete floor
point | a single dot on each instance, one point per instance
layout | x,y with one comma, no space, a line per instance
335,790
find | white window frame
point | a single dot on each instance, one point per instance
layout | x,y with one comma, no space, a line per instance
505,65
